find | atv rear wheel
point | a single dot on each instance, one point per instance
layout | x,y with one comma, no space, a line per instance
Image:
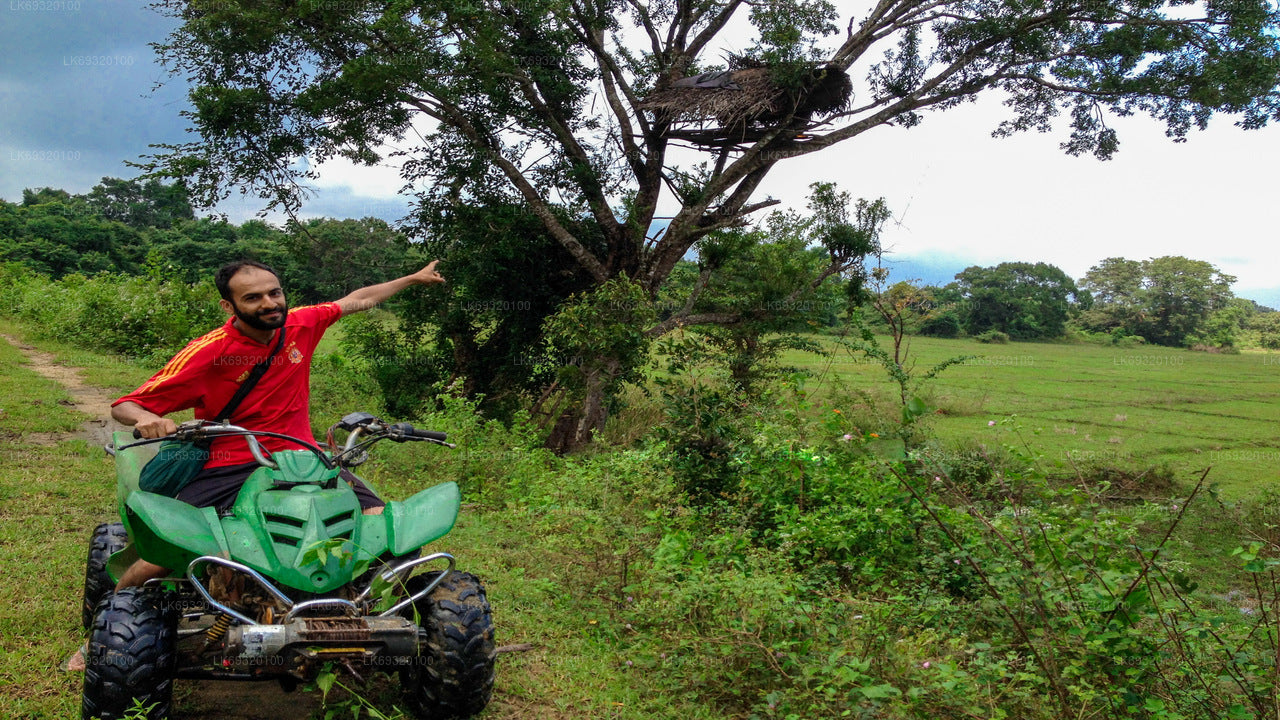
107,539
130,660
453,678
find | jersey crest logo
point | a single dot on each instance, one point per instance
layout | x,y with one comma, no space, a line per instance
295,355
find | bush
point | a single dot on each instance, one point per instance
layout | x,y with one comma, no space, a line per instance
944,324
402,359
702,437
1261,515
992,336
140,317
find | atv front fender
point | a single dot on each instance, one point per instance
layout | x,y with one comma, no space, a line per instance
169,532
427,516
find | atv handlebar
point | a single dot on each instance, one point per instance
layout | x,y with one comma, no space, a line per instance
197,430
361,425
411,433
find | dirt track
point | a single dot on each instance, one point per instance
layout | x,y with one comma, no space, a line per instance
88,399
195,700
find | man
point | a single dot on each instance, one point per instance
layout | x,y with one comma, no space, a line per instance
208,371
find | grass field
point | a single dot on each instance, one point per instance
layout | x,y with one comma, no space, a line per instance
1092,405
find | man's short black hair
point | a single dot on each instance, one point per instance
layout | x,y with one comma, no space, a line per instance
222,280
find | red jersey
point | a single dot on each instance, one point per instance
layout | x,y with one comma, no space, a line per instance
211,368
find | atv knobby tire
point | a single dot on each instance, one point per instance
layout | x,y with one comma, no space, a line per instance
130,660
107,539
453,678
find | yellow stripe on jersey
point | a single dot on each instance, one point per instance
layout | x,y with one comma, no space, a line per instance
180,360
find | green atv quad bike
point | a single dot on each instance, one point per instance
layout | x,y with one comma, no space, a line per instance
290,580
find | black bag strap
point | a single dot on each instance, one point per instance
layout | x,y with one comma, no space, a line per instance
247,386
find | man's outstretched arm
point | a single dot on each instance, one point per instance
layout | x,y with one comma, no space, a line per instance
368,297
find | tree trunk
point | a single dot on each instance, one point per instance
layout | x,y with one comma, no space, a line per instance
587,410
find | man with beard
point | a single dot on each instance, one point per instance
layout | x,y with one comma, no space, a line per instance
207,373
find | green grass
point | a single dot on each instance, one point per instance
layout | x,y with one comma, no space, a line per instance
50,498
1090,405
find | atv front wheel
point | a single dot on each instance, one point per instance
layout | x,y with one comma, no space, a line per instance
130,660
453,678
107,540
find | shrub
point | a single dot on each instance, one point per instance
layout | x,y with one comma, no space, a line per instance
140,317
402,359
992,336
944,324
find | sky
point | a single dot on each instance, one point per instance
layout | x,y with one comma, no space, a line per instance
78,91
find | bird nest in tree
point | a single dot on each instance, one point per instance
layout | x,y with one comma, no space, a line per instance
729,107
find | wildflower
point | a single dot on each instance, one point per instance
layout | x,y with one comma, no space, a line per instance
836,411
924,664
875,435
847,437
990,423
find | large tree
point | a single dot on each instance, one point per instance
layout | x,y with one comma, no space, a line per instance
1028,301
1166,300
570,107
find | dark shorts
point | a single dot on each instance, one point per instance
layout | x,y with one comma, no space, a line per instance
217,487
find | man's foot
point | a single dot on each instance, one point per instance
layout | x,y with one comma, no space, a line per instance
75,663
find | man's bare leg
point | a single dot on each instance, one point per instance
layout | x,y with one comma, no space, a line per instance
140,572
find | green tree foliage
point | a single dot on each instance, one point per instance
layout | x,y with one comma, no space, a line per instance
55,233
331,258
126,226
1024,300
1116,287
1181,295
1267,326
1166,300
141,204
944,317
1223,327
542,103
764,278
505,276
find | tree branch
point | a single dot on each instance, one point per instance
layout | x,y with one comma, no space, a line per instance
454,117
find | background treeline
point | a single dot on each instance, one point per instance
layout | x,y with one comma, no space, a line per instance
139,227
1172,301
